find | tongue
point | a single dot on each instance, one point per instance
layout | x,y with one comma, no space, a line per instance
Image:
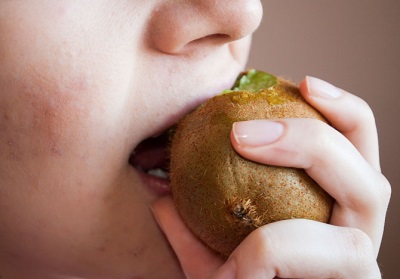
151,153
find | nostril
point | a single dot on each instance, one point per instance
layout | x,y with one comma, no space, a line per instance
216,37
178,24
213,38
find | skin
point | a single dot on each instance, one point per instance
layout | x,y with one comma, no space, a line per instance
81,84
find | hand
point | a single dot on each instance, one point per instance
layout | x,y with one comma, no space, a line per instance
343,159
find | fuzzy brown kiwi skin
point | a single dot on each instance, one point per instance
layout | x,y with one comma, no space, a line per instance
223,197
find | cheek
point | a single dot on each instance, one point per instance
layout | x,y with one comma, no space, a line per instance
46,117
46,103
40,124
55,88
62,112
57,157
60,104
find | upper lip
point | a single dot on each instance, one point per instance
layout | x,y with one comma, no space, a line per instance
146,157
152,152
192,105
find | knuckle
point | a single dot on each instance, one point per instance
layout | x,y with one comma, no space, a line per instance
386,190
265,242
365,111
361,247
380,192
323,137
317,129
362,257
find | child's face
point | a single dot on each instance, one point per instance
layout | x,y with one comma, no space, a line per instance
82,83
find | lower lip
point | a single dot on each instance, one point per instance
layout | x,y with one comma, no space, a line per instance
156,185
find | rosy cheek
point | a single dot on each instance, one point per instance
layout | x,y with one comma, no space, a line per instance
43,118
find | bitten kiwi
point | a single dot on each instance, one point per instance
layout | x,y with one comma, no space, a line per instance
223,197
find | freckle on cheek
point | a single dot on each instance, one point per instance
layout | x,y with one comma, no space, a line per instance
102,249
61,10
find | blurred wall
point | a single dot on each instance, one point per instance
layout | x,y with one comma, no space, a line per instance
354,44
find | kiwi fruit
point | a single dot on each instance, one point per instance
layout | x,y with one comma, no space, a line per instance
221,196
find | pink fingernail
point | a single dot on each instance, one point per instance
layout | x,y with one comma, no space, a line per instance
256,133
320,88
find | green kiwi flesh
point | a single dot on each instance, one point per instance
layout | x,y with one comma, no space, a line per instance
223,197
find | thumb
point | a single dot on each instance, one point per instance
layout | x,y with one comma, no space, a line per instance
197,261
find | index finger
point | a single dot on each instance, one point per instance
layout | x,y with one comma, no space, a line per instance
347,113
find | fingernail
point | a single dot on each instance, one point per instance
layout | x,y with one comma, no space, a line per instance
318,87
227,271
256,133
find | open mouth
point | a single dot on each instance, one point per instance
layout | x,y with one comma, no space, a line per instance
151,159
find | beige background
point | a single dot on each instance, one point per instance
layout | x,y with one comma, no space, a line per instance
354,44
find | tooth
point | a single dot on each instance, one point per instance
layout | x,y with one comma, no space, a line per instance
158,173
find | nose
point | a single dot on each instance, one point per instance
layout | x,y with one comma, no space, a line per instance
177,26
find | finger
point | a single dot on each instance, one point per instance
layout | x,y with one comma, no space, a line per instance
197,261
302,249
347,113
329,158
